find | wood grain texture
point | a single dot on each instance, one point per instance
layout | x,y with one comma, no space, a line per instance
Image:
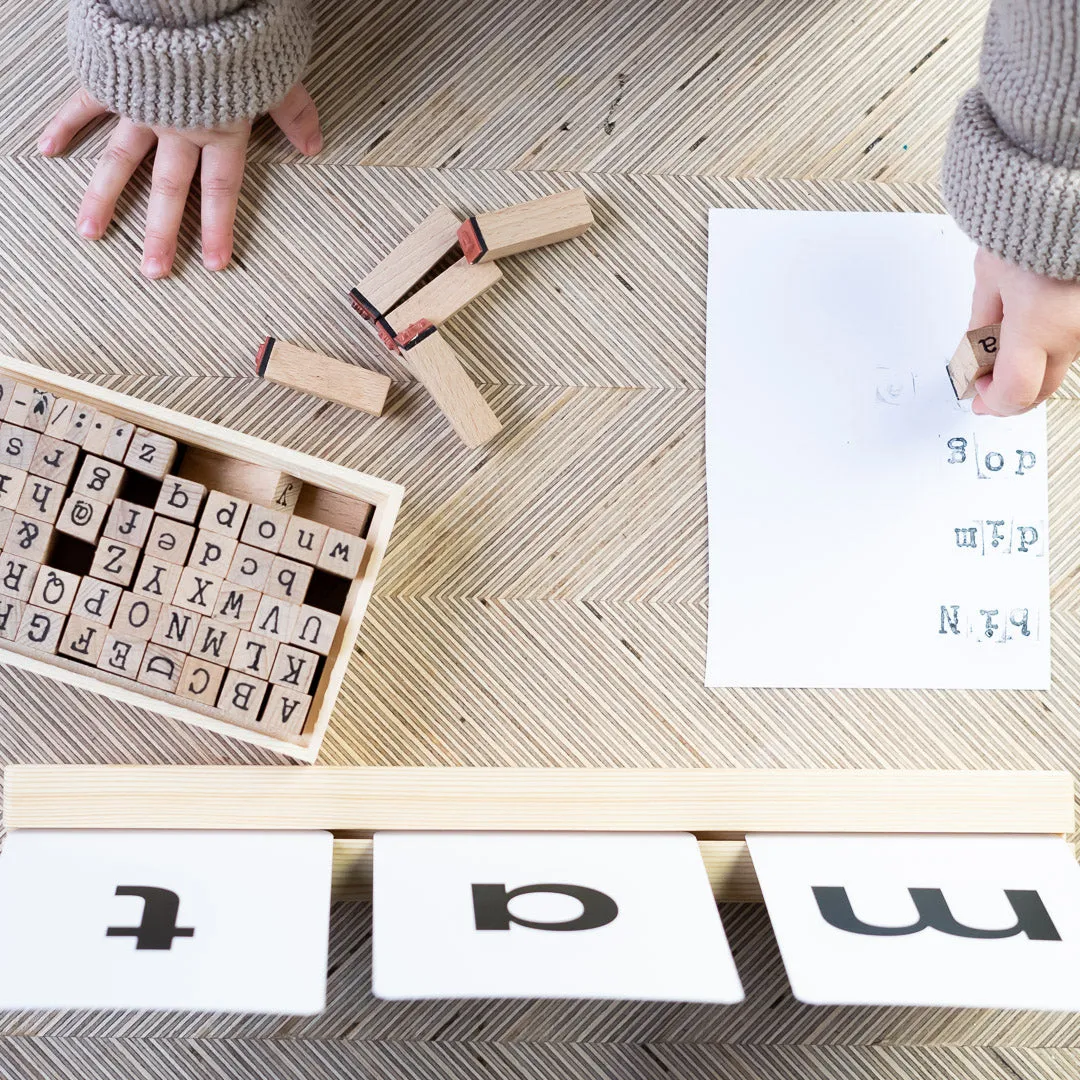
544,600
702,801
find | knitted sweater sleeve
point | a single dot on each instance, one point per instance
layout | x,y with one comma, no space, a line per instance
188,63
1011,175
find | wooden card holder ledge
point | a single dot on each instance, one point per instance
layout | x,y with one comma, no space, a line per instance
720,806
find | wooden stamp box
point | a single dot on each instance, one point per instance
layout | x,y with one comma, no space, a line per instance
81,465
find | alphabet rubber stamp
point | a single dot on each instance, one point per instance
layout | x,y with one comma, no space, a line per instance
224,515
974,358
180,499
150,453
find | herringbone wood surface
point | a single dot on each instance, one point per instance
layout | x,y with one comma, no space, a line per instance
544,599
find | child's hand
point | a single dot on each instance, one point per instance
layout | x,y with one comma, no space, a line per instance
1040,334
223,152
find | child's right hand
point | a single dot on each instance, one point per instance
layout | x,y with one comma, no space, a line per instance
223,152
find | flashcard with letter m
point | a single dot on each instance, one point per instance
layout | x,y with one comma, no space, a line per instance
215,921
977,921
547,915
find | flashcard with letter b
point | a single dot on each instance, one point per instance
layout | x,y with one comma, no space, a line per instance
217,921
976,921
547,915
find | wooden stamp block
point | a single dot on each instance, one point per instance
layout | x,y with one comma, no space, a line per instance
418,253
525,226
289,580
157,579
250,567
12,482
70,421
55,590
41,499
7,388
442,298
54,460
197,591
6,517
294,668
161,667
150,453
136,616
303,540
115,561
265,528
236,606
254,655
275,618
286,493
286,711
82,639
224,515
108,437
98,479
212,552
96,601
17,446
241,697
341,554
169,540
129,522
974,358
40,629
180,499
29,539
314,629
215,642
233,476
121,655
326,507
322,376
17,575
30,407
200,680
176,628
82,517
11,613
432,361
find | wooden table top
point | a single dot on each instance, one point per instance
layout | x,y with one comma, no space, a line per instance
544,599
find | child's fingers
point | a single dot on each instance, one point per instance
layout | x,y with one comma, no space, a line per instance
986,306
222,175
78,111
174,167
128,145
1017,379
297,116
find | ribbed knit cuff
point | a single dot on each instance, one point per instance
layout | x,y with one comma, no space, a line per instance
205,75
1007,201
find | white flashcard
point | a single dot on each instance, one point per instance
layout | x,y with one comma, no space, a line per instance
215,921
866,529
547,915
987,922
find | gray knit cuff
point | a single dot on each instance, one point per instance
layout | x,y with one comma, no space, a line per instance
205,75
1007,201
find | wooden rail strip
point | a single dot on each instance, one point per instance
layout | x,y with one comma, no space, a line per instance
712,803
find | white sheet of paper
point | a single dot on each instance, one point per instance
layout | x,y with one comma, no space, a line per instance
1037,967
257,902
662,942
837,499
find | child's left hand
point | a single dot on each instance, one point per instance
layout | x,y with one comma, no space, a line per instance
1040,334
223,151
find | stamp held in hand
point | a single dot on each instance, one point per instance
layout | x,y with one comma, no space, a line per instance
974,358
